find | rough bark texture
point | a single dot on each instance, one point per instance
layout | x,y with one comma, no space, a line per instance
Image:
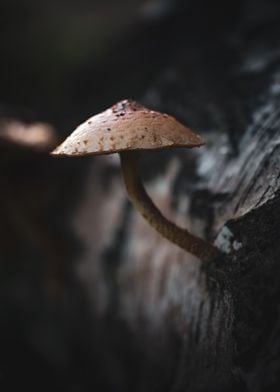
92,298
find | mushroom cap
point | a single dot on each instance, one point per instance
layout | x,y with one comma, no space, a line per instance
127,126
36,136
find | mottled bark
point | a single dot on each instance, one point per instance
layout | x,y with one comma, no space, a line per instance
127,310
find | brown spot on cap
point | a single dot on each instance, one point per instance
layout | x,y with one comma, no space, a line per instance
127,121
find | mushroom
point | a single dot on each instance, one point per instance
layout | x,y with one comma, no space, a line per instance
23,147
126,128
38,137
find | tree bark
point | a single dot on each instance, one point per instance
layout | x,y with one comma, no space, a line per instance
126,310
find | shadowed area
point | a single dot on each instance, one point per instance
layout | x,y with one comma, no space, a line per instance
92,297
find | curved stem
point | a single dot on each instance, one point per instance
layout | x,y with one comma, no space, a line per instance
142,202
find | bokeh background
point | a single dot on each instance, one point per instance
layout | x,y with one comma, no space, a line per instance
62,61
74,313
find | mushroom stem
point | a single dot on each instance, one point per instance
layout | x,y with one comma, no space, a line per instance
143,203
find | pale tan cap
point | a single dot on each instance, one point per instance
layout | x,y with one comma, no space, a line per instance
36,136
127,126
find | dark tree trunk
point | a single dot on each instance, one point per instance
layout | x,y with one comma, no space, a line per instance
122,309
213,328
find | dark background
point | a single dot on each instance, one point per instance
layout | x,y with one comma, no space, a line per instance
91,299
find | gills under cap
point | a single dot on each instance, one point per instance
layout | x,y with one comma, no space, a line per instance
127,126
